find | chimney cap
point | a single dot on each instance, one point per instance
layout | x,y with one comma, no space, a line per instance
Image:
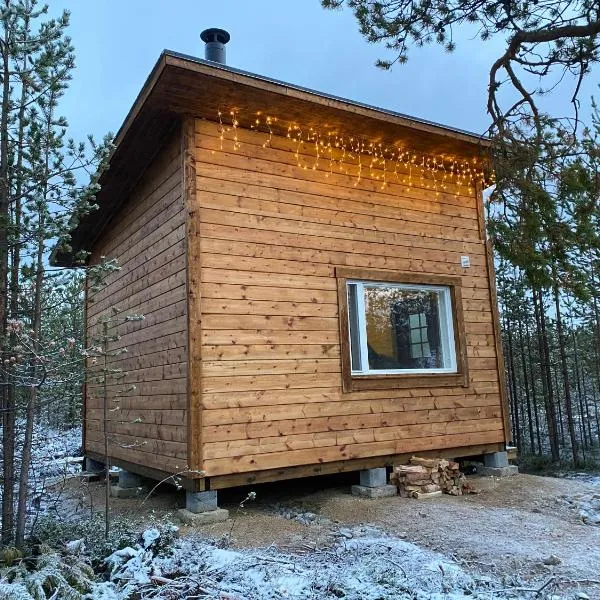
214,34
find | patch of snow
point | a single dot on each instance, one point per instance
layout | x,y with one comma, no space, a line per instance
589,478
150,536
75,546
587,505
369,566
103,591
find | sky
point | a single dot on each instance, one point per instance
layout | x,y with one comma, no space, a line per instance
117,42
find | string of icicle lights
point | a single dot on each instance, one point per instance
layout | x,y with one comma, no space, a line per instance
354,156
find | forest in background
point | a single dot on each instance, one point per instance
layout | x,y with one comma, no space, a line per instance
546,231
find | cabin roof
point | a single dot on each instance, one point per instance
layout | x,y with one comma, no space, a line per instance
181,85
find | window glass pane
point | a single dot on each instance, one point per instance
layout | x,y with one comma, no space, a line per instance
406,328
354,327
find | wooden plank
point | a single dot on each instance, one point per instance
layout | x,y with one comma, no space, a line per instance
149,400
274,323
352,200
334,404
322,441
271,308
144,388
140,349
140,282
243,291
285,224
324,209
166,249
140,402
172,326
279,265
350,451
135,237
331,394
120,426
168,464
269,475
155,287
347,422
153,417
269,367
145,445
268,351
419,257
154,318
269,382
193,286
225,276
157,373
347,243
189,480
267,336
284,150
255,161
144,205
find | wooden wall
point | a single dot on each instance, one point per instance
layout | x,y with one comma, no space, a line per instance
271,235
147,237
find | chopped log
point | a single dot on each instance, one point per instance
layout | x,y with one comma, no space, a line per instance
423,495
432,463
430,487
410,469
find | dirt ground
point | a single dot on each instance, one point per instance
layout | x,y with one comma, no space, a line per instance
511,527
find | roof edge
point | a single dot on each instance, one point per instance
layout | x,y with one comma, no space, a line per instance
177,58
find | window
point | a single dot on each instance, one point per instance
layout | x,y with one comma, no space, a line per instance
400,330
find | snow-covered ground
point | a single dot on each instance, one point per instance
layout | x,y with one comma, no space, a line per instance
503,544
365,564
587,504
56,453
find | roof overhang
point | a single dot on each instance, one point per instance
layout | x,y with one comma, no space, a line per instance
183,85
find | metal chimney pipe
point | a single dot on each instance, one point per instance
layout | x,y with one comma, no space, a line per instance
215,40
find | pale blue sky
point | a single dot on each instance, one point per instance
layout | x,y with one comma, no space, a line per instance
118,41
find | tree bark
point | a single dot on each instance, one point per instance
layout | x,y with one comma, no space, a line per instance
526,388
565,373
547,388
7,399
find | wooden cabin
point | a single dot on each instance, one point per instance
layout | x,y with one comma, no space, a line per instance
315,278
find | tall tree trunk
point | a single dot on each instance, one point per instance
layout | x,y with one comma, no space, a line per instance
513,384
561,421
586,433
105,422
32,392
547,388
596,412
534,392
562,342
7,399
526,387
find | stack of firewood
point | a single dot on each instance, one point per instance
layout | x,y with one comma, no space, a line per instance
426,477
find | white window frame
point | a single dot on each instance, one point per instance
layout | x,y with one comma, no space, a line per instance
446,327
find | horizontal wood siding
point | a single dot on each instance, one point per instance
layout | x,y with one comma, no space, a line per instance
147,237
272,235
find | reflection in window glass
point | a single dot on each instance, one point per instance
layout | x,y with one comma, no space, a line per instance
400,328
354,328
